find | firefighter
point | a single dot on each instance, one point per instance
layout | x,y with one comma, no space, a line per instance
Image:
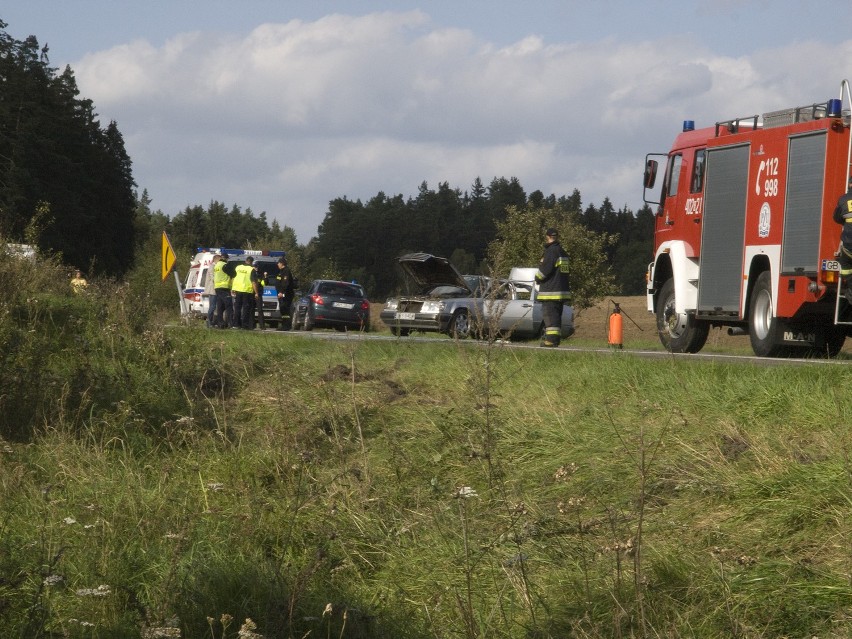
243,286
259,285
552,279
843,215
222,286
284,285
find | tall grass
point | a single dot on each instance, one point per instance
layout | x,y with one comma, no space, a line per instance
183,482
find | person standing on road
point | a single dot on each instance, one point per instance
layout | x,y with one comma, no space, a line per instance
244,289
552,280
259,285
222,275
284,286
210,289
843,215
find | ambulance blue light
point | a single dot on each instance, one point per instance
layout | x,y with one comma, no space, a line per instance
688,125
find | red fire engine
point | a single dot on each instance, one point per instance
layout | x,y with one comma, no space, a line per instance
744,233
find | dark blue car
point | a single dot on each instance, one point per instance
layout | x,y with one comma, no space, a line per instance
332,304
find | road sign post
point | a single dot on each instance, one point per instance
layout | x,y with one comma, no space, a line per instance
168,263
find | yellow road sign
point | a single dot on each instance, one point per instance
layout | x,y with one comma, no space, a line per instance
168,256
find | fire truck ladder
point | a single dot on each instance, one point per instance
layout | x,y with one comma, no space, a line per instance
844,91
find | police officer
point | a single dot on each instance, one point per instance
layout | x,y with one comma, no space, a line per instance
244,284
552,279
222,287
843,215
284,285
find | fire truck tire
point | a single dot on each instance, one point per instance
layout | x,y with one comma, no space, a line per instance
679,332
763,325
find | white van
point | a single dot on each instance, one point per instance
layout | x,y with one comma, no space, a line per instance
201,268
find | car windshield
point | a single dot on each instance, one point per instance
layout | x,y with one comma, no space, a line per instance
449,291
340,288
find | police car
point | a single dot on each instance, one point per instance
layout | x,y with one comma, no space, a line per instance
201,268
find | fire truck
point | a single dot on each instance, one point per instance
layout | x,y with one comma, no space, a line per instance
744,236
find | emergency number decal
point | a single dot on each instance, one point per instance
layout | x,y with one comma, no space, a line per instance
764,222
769,168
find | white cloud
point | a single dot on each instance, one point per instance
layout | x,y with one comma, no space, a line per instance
295,114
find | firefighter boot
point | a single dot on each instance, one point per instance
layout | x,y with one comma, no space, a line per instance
551,338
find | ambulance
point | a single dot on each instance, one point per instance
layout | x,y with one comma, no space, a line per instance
201,268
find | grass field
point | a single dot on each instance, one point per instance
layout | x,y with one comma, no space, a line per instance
172,481
433,490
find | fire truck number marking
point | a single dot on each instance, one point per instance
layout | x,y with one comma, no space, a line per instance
693,206
770,184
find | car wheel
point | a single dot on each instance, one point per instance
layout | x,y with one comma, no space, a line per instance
400,332
308,324
460,325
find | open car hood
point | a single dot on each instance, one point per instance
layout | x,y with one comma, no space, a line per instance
429,271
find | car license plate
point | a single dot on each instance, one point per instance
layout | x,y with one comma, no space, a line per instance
342,305
404,316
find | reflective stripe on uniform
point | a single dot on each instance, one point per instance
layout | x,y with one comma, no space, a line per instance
553,296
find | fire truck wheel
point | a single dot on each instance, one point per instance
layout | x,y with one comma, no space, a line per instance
679,332
763,326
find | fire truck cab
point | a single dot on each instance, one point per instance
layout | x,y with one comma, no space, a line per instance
744,234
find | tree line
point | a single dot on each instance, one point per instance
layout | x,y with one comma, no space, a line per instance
361,240
66,185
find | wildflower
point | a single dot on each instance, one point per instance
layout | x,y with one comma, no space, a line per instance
85,624
165,632
52,580
564,472
100,591
247,630
466,491
69,521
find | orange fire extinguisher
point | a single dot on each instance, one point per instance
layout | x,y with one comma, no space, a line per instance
615,335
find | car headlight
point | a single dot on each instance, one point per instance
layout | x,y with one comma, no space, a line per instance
391,305
435,306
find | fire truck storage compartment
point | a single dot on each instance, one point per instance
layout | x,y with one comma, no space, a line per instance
805,175
723,230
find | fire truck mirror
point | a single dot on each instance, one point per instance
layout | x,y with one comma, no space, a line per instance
650,173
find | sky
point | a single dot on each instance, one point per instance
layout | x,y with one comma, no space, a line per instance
284,105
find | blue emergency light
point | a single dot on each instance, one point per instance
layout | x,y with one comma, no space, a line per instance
233,251
688,125
833,110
